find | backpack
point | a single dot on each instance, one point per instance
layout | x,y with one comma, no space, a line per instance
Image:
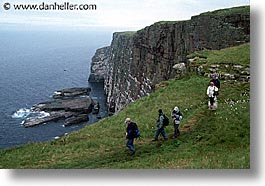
136,131
165,121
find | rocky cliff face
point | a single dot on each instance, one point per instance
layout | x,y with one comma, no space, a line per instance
136,61
99,63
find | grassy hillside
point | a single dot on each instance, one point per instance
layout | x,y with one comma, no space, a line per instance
209,139
239,55
243,10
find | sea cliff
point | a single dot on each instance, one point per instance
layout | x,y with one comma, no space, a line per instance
136,61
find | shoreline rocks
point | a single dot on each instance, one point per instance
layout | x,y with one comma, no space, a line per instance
71,92
76,120
72,105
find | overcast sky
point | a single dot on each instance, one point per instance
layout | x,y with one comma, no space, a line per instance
123,14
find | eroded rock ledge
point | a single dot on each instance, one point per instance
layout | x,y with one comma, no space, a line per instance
72,105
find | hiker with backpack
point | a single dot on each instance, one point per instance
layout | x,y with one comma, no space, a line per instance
132,132
177,117
160,126
216,81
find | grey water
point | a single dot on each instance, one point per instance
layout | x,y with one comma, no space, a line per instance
35,64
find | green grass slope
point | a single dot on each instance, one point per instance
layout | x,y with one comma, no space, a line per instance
209,139
243,10
239,55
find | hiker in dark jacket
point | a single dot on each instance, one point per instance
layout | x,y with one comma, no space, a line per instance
216,81
130,135
160,127
177,117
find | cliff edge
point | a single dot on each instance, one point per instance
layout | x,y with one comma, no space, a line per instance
136,61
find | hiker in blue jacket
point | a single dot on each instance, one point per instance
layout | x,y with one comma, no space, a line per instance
130,135
160,127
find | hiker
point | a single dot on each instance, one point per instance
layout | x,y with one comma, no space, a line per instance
211,92
216,81
130,135
160,126
177,117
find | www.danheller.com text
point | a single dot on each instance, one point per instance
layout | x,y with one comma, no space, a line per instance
49,6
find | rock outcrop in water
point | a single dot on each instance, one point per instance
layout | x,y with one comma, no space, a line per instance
71,92
73,106
136,61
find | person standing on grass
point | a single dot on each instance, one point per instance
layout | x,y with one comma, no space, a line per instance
160,126
211,92
177,117
130,135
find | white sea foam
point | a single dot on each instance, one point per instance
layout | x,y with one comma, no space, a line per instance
43,114
21,113
28,113
57,93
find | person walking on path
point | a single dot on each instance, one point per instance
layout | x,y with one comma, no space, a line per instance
160,127
216,81
211,92
177,117
130,135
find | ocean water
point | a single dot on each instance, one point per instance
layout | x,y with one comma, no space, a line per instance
35,64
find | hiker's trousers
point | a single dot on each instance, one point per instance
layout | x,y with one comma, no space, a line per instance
162,132
130,145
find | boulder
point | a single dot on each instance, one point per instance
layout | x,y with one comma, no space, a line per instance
71,92
76,120
52,117
80,104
